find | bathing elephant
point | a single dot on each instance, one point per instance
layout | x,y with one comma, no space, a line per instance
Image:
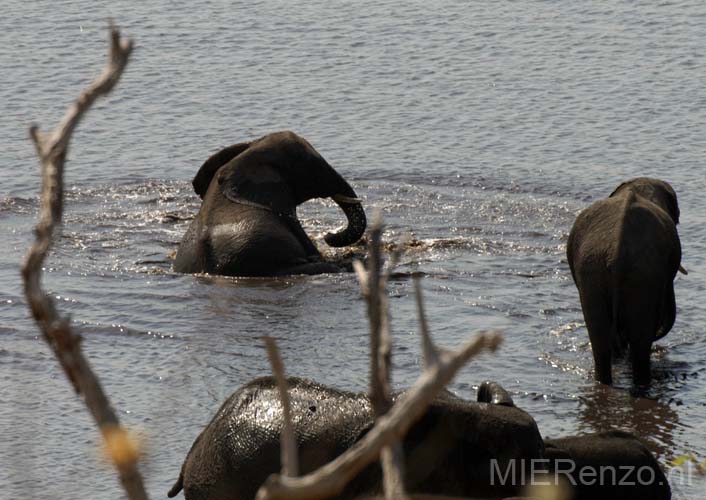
448,451
624,253
612,465
247,224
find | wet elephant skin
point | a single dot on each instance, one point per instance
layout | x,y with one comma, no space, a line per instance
448,451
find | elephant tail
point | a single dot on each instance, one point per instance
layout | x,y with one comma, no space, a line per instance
178,485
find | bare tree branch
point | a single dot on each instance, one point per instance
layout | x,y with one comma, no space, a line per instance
391,457
290,463
396,254
56,330
430,355
392,424
330,479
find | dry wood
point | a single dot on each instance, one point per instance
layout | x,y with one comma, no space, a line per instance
330,479
290,463
374,287
56,330
428,348
392,424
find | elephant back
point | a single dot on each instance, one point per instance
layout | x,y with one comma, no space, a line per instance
468,443
240,447
449,451
624,467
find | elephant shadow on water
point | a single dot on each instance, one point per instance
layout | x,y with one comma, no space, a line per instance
484,449
604,408
247,224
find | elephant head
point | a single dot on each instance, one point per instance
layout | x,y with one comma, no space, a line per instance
657,191
279,172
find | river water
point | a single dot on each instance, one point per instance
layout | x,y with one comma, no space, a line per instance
481,128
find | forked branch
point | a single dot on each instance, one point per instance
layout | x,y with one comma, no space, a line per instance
392,423
374,287
52,150
330,479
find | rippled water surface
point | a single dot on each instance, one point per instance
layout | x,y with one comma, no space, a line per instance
482,128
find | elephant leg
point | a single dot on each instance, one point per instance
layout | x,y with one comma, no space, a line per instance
640,356
619,344
598,314
298,231
641,316
668,311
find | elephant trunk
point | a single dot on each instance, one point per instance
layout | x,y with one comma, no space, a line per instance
355,214
494,393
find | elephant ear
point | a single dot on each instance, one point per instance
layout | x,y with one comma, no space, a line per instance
257,183
669,197
205,174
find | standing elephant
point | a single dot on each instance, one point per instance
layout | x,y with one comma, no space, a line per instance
450,450
247,224
624,253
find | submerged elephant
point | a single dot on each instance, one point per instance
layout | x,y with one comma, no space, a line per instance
247,224
624,253
612,465
450,450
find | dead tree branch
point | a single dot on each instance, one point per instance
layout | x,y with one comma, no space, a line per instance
52,150
392,423
330,479
374,287
384,440
290,462
428,349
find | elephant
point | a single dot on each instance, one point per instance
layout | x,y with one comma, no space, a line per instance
624,253
610,465
453,449
247,224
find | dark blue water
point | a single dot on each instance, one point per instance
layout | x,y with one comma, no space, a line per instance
481,128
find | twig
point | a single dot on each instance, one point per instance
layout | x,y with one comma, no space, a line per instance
290,465
391,456
56,330
396,254
428,348
392,424
330,479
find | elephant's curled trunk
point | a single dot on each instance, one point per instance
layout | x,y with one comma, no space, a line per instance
355,214
492,392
